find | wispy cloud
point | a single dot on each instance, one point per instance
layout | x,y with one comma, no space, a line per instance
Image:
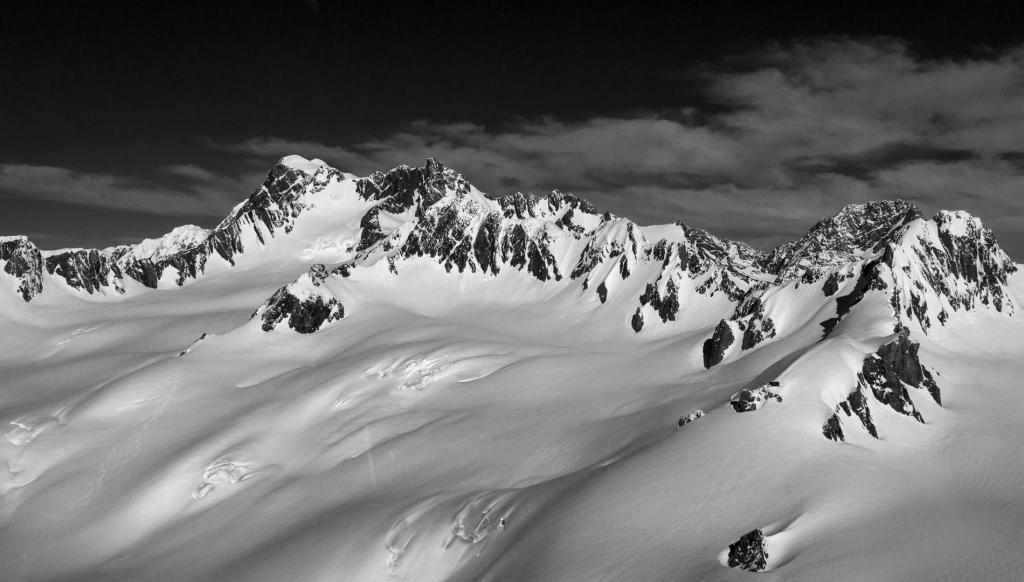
194,191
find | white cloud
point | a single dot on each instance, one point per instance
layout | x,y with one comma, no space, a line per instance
801,130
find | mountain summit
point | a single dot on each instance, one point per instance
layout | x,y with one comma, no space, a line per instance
398,377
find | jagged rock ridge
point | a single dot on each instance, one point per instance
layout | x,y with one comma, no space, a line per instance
929,268
885,375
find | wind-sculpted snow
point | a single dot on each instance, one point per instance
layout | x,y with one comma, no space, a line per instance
440,386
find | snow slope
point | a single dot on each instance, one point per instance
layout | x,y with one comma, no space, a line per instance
397,378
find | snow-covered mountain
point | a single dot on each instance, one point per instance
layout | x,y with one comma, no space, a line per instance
397,377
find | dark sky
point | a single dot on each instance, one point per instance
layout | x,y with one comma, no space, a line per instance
122,120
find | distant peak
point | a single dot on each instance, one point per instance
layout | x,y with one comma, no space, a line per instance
182,237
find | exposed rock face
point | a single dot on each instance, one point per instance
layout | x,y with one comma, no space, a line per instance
870,278
405,188
23,261
303,315
521,205
637,322
832,284
88,270
757,327
750,399
885,375
893,365
305,305
458,230
714,348
855,404
609,242
958,260
833,429
749,553
666,306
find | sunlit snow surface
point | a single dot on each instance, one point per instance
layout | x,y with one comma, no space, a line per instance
463,426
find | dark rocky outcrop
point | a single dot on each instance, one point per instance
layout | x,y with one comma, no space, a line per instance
599,249
854,405
757,327
638,321
885,375
750,399
870,278
485,243
749,553
23,261
602,292
714,348
857,405
303,315
891,368
520,250
306,310
833,429
521,206
623,267
667,306
89,271
831,284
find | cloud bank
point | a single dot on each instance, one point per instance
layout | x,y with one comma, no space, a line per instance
782,138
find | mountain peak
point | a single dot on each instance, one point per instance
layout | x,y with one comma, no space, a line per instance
849,234
300,163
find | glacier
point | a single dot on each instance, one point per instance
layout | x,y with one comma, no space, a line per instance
397,377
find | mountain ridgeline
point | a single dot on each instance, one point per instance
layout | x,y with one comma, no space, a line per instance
928,268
